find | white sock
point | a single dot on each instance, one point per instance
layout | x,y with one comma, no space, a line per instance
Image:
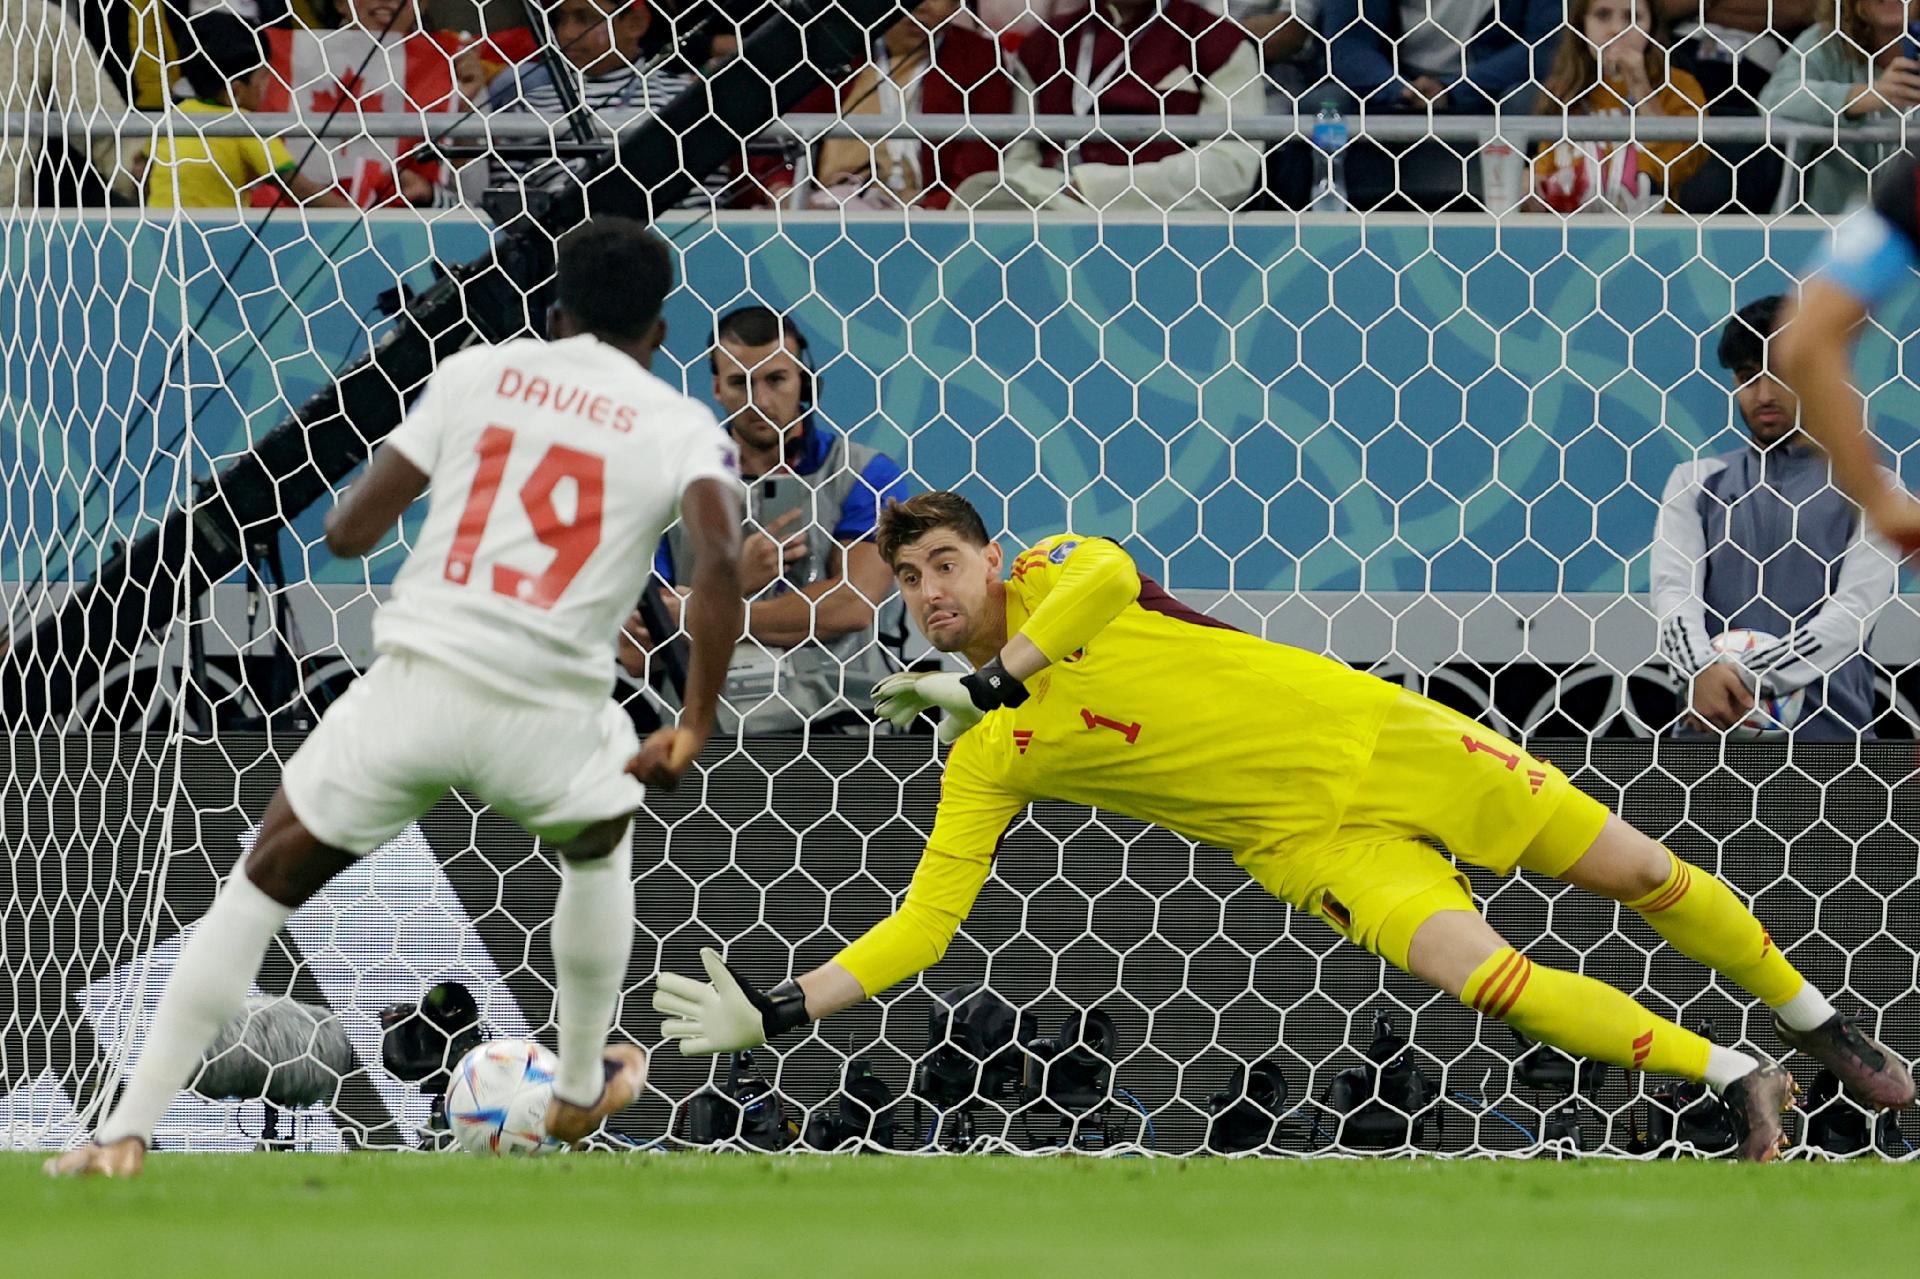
1808,1010
592,938
207,989
1724,1065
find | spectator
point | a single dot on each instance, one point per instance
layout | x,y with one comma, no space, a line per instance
1284,31
229,73
46,65
1611,62
378,61
1842,76
1009,21
1156,58
1760,539
1463,56
600,43
933,61
809,565
1731,47
145,41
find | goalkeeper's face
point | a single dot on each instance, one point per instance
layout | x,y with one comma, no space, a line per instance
948,585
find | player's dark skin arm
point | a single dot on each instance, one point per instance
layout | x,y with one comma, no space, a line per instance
1814,352
370,510
714,613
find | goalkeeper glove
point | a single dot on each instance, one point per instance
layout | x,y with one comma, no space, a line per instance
962,699
726,1013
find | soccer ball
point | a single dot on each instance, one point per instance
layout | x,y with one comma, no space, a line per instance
497,1103
1770,716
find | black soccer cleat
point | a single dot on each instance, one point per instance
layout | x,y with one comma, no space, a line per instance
1865,1067
1756,1101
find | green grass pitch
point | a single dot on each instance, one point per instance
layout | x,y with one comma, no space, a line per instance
699,1215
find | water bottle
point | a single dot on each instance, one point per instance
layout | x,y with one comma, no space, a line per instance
1330,140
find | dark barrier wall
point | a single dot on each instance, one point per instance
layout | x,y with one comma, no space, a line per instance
784,856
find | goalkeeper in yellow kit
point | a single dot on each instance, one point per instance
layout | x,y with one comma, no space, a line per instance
1330,786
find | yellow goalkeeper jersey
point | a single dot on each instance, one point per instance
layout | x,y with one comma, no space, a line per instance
1149,709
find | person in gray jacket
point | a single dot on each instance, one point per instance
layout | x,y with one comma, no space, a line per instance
1760,539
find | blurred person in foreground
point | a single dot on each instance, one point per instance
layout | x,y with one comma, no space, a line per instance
1873,257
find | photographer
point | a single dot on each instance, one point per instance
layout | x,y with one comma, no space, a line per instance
808,565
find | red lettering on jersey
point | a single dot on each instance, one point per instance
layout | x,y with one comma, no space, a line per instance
1129,731
493,446
573,541
624,419
1473,744
511,380
597,410
538,389
565,397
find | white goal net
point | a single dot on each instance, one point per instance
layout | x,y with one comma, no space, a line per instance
1347,328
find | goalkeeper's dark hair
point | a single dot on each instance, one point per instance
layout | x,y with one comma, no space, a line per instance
1743,342
612,276
222,48
921,514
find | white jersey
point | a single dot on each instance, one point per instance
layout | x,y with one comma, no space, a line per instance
555,467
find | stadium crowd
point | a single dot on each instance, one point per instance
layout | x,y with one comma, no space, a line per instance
1843,66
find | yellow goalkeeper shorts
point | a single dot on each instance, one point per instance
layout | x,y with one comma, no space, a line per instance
1436,779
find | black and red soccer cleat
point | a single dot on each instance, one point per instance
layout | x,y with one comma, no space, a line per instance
1756,1101
1865,1067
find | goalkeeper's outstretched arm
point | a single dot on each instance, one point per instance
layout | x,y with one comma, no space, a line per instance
1077,586
728,1012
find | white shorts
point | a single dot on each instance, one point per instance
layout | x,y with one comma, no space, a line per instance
410,729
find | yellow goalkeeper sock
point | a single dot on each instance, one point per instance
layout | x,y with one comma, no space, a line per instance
1582,1016
1701,918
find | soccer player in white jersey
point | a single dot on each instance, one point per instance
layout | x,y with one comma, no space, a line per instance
555,467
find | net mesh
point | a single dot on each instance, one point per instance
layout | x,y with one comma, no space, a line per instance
1288,360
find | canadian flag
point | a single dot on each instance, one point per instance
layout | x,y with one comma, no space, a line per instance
345,72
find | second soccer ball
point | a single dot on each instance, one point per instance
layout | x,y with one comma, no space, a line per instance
1770,716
